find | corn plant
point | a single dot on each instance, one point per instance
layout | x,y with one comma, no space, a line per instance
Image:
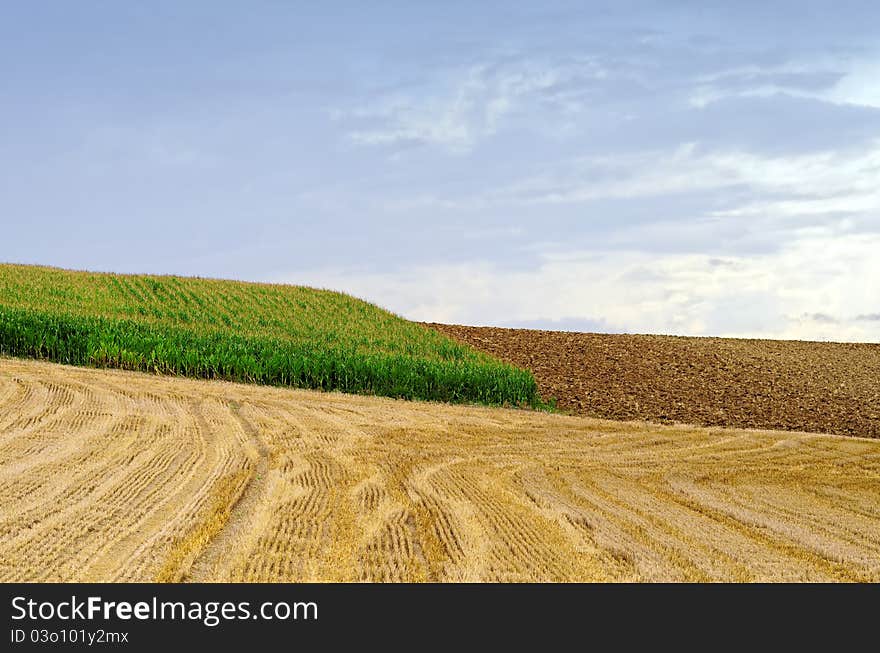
257,333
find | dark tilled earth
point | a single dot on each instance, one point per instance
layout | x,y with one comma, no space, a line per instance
774,384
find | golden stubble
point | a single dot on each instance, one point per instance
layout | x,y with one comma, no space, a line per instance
118,476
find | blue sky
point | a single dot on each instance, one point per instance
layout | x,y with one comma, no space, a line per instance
667,167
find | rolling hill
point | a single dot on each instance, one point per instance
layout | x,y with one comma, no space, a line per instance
261,333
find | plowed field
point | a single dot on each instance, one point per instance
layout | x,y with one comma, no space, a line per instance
771,384
121,476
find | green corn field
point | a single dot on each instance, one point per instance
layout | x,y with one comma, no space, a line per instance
258,333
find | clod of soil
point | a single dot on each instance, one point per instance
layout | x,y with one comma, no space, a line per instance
819,387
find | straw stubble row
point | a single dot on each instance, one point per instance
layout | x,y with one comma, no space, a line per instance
110,475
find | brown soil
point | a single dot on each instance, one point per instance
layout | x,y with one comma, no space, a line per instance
775,384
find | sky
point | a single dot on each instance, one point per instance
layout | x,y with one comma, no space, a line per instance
691,168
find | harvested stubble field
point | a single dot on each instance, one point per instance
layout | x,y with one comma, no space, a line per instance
123,476
819,387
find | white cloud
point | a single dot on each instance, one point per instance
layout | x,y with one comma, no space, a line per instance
860,86
812,270
457,109
858,83
824,183
807,282
828,182
803,291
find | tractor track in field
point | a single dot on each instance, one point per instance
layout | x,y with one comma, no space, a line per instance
820,387
121,476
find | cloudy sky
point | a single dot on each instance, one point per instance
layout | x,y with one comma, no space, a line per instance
667,167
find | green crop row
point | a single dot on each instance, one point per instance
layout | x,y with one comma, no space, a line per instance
276,335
